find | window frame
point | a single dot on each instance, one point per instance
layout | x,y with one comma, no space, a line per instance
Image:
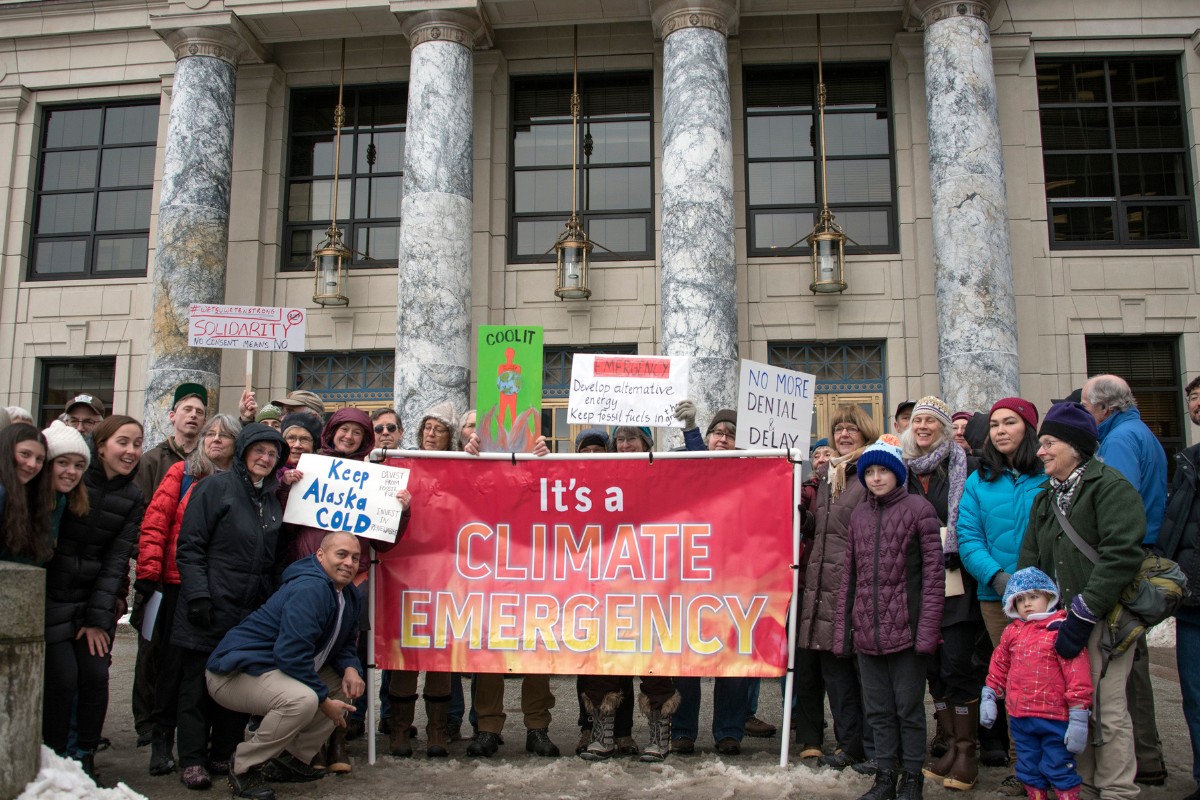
92,236
358,396
753,211
45,365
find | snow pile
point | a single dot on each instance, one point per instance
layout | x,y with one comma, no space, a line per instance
1163,634
63,778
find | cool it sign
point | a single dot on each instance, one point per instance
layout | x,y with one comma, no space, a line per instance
246,327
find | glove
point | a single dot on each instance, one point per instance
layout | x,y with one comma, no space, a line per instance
200,612
987,707
1000,582
146,587
1077,730
1075,630
685,412
952,561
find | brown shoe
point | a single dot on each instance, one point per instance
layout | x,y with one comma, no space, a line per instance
400,729
437,710
756,727
965,770
337,762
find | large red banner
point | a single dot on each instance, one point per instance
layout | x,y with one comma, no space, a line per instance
675,567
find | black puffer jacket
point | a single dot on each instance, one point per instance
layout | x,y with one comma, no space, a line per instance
1179,536
228,545
85,575
963,607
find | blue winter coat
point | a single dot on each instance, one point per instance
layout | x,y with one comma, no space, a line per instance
287,631
992,518
1129,447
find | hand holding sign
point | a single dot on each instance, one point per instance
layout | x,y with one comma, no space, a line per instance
335,494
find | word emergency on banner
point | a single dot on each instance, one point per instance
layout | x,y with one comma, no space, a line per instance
775,408
246,327
337,494
590,566
627,390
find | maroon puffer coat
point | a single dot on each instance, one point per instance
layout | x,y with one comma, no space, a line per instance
894,580
824,562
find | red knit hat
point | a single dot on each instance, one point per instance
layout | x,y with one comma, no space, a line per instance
1022,408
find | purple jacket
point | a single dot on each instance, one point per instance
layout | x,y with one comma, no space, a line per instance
894,580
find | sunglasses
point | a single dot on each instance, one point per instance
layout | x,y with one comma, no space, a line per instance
389,427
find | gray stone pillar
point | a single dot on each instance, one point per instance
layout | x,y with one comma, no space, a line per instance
977,313
698,275
433,297
193,217
22,652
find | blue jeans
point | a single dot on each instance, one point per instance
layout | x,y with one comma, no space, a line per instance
731,698
1187,655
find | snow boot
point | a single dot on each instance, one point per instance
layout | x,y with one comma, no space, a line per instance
884,787
337,762
403,709
1069,794
1035,793
943,736
162,762
438,711
911,784
965,770
604,719
660,727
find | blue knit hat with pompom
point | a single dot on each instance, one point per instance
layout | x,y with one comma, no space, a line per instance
886,453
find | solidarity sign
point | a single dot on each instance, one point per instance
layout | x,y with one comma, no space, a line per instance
246,327
337,494
676,567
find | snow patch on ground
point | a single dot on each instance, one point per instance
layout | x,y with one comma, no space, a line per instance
63,778
1163,634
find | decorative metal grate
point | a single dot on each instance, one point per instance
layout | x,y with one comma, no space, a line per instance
838,366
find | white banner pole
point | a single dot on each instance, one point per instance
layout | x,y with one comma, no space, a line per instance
370,732
789,682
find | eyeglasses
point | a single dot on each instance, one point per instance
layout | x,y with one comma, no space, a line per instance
84,423
298,439
389,427
437,430
850,429
219,435
723,435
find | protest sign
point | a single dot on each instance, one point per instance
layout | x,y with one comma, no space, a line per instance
775,408
590,566
627,390
509,400
246,327
337,494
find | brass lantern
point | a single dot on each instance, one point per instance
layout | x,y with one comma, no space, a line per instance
332,257
827,242
573,247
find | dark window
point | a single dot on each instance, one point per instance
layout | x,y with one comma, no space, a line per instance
63,379
346,378
370,179
783,157
93,189
615,186
1115,150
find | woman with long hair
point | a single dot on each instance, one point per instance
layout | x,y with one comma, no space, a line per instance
26,496
83,584
68,456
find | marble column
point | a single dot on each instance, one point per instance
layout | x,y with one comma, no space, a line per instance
977,315
193,217
433,298
698,276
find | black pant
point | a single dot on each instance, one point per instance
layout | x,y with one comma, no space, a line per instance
198,715
955,675
808,694
657,688
170,662
893,689
72,671
844,688
145,668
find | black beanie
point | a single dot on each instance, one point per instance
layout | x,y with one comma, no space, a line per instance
1074,424
310,422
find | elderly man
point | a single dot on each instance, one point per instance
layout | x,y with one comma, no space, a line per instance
293,662
1129,447
84,412
389,431
301,401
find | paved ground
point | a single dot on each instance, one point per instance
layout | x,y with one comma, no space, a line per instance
512,773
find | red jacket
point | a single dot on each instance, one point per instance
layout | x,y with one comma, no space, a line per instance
1035,679
160,529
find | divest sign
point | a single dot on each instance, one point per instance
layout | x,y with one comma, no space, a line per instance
337,494
246,327
676,567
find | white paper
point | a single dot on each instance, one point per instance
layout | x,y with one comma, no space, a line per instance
627,390
150,614
775,408
246,327
337,494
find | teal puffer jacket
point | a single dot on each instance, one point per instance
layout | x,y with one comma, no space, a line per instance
992,518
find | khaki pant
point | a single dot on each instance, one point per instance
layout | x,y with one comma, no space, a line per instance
1108,771
994,619
536,701
291,717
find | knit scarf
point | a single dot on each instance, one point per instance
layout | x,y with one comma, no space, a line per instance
837,468
923,465
1063,492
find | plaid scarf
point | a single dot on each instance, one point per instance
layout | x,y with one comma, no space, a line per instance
837,468
923,465
1063,492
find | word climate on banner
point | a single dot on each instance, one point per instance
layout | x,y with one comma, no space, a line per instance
775,408
594,566
357,497
509,397
627,390
246,327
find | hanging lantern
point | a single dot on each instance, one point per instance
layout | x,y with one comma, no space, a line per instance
827,242
573,249
332,257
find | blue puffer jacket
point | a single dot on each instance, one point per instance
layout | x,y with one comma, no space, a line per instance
1129,447
992,518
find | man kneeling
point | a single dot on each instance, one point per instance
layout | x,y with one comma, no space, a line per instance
293,662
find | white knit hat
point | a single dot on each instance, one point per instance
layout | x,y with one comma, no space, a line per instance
62,440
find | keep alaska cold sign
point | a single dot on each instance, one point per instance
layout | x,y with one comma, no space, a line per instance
357,497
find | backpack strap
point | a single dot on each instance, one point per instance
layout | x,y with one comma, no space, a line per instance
184,485
1088,551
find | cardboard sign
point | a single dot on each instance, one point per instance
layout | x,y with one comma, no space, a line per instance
590,566
627,390
775,408
337,494
508,410
246,327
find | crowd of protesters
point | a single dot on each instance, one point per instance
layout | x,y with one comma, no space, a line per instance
934,565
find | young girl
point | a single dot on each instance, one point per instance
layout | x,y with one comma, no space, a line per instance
26,496
890,602
1048,695
68,457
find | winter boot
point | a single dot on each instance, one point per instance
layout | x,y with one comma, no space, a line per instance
910,787
1034,793
337,762
87,760
1069,794
438,711
162,762
965,769
660,727
537,740
403,709
604,718
884,787
943,736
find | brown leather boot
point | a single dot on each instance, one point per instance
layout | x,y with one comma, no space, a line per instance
942,747
403,709
337,762
437,709
966,768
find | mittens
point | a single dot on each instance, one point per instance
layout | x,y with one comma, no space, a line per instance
987,707
1077,730
1076,628
685,412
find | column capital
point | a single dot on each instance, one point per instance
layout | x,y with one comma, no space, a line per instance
931,11
13,100
460,27
669,16
218,34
